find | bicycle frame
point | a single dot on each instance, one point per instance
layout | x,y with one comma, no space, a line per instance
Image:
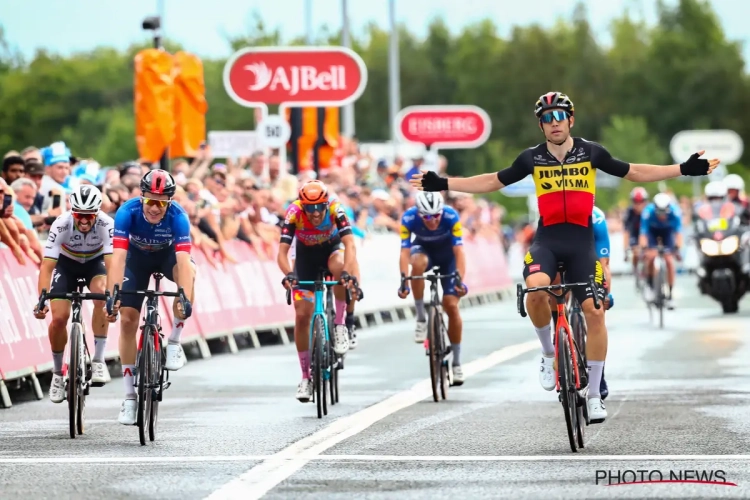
319,301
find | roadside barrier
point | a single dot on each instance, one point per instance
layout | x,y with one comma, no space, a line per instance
243,301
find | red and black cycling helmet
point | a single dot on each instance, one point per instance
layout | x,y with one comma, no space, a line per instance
553,100
638,194
158,181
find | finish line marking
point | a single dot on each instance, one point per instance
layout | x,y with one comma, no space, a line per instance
376,458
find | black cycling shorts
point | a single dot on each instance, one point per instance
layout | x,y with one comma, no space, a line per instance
572,247
67,272
310,259
139,266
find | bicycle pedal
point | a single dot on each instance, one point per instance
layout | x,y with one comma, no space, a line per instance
166,386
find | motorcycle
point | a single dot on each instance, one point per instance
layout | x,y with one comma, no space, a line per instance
724,271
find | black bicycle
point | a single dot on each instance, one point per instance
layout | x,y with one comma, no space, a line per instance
331,315
570,369
151,377
78,368
439,347
661,285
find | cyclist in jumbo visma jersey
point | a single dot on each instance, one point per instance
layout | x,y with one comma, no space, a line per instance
564,172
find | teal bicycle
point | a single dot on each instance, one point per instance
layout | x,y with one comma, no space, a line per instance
324,362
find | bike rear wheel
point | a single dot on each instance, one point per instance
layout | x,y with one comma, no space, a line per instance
317,366
444,368
156,370
659,296
567,386
145,375
433,333
74,377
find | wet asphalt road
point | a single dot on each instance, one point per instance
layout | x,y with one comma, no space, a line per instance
679,391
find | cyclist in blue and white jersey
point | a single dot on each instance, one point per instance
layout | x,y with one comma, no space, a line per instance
661,220
152,234
438,241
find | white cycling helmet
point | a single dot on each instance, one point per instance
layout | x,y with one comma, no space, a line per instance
715,189
86,198
662,201
429,203
734,181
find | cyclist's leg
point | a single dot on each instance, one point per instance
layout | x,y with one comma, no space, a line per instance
668,240
308,261
336,267
635,251
138,269
649,253
540,268
603,389
447,262
170,269
97,282
581,264
349,321
552,302
419,261
63,281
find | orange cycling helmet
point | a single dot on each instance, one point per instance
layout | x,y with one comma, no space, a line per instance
313,192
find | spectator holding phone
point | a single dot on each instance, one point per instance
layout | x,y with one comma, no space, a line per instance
57,168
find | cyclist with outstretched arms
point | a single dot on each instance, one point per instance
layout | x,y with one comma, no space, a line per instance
438,241
661,222
79,246
324,240
632,223
152,234
564,172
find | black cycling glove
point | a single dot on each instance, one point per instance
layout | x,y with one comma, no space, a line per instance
433,182
694,166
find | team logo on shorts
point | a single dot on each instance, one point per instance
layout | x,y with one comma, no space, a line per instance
599,273
528,259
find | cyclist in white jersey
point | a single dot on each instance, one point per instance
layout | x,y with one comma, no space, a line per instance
79,246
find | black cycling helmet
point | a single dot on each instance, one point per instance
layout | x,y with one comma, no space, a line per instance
158,181
553,100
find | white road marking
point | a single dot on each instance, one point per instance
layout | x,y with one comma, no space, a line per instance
377,458
260,479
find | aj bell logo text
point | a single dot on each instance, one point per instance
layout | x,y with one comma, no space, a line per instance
646,476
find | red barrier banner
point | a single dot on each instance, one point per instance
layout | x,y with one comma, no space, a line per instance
229,298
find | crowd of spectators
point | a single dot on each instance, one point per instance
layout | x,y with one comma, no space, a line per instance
228,199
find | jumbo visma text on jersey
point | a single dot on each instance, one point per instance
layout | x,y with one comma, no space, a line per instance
571,187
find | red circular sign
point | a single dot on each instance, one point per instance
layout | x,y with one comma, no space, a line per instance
306,76
444,127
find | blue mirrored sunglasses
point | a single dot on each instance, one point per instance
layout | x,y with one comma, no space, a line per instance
557,114
431,217
318,207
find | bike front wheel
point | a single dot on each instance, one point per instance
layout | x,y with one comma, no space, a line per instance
567,386
75,372
145,375
433,333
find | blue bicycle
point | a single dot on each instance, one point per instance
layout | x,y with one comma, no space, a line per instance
324,362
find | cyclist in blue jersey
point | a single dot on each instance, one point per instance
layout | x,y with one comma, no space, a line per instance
438,241
152,234
661,221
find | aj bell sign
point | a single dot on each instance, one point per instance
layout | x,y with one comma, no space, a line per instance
298,76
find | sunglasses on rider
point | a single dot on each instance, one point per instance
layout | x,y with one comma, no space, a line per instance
155,203
84,216
318,207
431,217
557,115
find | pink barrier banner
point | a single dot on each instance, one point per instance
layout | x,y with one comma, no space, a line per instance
229,298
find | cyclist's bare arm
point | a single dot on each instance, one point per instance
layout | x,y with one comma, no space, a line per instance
116,269
45,274
184,276
458,251
607,272
350,255
483,183
282,259
403,261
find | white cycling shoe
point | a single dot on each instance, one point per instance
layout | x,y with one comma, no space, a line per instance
597,411
305,391
547,373
57,389
458,375
127,412
99,373
420,332
175,357
340,339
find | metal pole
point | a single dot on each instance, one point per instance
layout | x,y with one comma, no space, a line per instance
346,41
308,22
394,78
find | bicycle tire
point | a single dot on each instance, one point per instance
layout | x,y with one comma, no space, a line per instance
144,377
73,378
564,367
579,343
156,368
317,364
84,387
444,368
660,298
331,370
434,358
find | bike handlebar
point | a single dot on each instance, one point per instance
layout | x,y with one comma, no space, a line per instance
74,296
325,283
550,289
432,278
180,294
